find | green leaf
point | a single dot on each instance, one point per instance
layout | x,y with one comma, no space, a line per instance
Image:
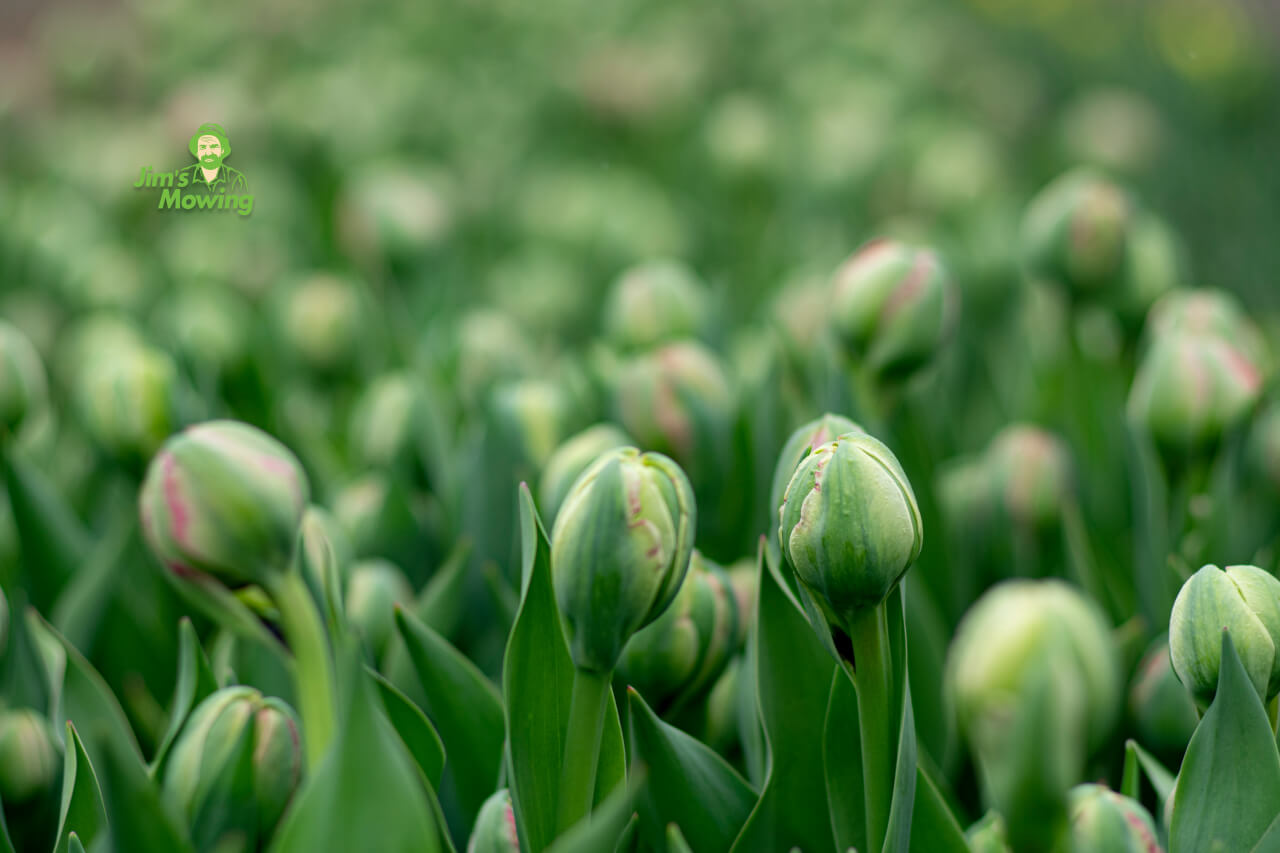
537,682
687,783
228,809
82,812
25,680
898,833
676,842
209,597
793,678
602,829
74,845
465,707
195,682
934,828
1159,777
1228,789
367,794
414,728
440,605
84,600
138,819
1129,780
53,541
842,757
6,843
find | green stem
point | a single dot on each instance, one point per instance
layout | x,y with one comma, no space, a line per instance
869,632
582,747
313,673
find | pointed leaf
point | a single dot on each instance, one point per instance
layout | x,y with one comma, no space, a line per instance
83,601
1228,789
465,707
1160,778
898,834
676,842
25,680
195,683
74,845
440,604
842,756
414,728
367,793
934,828
600,830
138,819
82,812
228,808
688,783
53,541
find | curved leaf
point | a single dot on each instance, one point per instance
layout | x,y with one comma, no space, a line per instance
82,812
414,728
195,683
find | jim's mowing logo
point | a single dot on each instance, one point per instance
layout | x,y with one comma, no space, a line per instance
207,184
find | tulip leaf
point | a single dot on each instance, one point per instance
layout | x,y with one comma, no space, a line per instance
537,680
842,757
603,828
934,828
195,682
367,794
687,783
53,541
85,699
898,833
676,842
25,680
465,707
1162,781
209,597
793,678
74,845
137,817
228,808
440,605
6,843
1228,789
414,728
83,602
81,812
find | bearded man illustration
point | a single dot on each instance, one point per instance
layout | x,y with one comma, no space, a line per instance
210,147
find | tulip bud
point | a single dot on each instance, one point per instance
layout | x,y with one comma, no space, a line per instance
531,413
127,401
653,303
620,549
850,525
393,211
495,830
373,591
325,550
210,745
386,423
490,347
675,400
223,498
893,306
802,442
1244,600
322,321
1264,444
570,459
989,835
1032,470
1190,389
208,326
30,763
23,390
1156,264
1208,313
1101,819
1075,232
1162,708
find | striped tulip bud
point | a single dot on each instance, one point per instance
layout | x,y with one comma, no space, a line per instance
1032,471
224,499
206,759
1076,231
653,303
1101,819
23,388
893,306
802,442
850,525
570,459
495,830
620,549
1244,600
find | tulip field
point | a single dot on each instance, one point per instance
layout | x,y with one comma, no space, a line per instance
588,427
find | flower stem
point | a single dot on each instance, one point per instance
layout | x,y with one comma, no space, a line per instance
869,632
313,672
582,747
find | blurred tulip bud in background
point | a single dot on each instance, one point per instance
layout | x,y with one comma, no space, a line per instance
1075,233
321,323
1032,473
1162,708
30,759
23,387
387,423
374,589
128,401
654,303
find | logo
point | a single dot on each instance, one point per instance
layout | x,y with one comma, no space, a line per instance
208,184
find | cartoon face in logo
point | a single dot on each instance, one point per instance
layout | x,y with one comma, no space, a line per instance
209,151
210,146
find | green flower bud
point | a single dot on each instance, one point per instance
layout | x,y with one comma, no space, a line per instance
324,549
322,322
495,830
654,303
570,459
1208,313
850,525
225,499
1101,819
1156,264
802,442
1162,709
128,401
490,347
1032,471
741,135
989,835
386,423
1264,445
1244,600
208,326
1075,232
1018,629
30,759
675,400
1112,128
744,583
620,549
968,494
23,390
393,211
893,306
207,751
373,591
532,413
84,342
1190,389
722,708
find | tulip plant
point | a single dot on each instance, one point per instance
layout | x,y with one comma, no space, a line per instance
641,428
